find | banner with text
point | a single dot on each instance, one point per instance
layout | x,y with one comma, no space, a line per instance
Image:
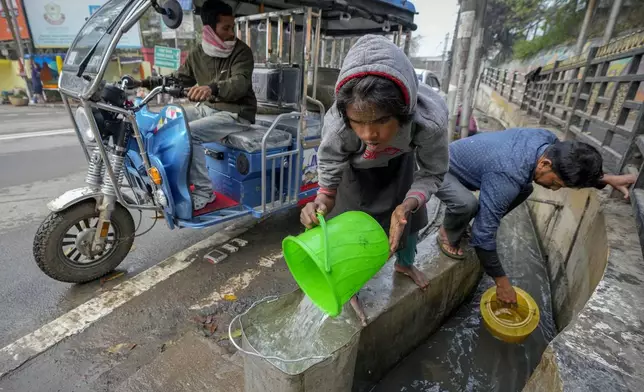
15,7
55,23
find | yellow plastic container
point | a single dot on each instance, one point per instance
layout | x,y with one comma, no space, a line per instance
509,324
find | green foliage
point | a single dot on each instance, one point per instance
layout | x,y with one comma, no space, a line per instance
19,92
561,26
509,24
505,23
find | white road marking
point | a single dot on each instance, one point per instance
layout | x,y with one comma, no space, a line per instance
239,242
43,113
229,248
237,282
56,132
215,256
269,261
78,319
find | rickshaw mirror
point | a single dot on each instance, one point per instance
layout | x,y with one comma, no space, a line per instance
172,14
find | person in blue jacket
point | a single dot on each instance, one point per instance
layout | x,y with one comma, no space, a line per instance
502,166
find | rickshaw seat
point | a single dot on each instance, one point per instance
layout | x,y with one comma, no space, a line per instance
249,139
291,125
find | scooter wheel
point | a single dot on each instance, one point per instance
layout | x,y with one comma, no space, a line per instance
62,241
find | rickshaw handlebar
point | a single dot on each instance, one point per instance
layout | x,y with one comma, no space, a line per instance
168,85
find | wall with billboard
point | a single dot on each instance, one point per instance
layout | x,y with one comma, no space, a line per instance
55,23
15,8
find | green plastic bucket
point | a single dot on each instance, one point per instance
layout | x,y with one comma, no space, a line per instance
333,261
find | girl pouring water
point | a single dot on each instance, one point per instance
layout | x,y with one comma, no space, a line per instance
383,150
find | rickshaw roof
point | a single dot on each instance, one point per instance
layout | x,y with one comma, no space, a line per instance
367,16
404,4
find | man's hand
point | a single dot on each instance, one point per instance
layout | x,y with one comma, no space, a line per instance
621,183
199,93
322,204
398,222
504,291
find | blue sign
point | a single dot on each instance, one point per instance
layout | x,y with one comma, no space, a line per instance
93,8
186,5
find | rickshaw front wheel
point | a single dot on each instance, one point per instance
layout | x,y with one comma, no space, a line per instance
63,243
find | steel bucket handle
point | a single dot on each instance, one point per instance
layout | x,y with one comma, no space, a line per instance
256,353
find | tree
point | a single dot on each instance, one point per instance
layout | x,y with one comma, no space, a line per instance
416,42
523,28
509,21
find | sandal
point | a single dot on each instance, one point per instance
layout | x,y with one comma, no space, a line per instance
441,246
200,202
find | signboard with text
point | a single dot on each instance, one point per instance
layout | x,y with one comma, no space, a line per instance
166,57
15,9
54,24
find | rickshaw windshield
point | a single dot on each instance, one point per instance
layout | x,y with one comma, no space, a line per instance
99,30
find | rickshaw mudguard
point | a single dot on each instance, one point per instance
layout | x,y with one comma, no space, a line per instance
168,144
74,196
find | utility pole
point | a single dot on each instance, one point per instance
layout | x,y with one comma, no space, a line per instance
473,68
444,59
610,27
12,22
467,14
447,78
581,41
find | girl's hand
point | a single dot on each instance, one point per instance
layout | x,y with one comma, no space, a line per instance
322,204
398,222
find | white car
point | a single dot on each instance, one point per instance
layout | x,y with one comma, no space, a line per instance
431,79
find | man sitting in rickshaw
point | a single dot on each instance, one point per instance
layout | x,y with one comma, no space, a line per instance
220,72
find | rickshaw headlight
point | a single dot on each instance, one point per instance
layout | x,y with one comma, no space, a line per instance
84,125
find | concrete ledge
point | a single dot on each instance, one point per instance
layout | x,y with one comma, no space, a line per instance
602,345
401,316
573,235
597,279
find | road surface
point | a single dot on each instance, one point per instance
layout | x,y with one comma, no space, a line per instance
95,337
36,168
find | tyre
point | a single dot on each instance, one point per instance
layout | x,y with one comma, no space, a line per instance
63,241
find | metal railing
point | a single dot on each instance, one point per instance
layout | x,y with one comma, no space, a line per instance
596,98
510,84
288,160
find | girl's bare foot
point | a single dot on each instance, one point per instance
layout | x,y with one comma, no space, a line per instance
357,306
415,275
448,249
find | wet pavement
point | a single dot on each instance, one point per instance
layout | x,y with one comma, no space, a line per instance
43,320
35,169
462,355
200,299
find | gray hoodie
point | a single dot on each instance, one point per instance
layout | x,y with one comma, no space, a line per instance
427,134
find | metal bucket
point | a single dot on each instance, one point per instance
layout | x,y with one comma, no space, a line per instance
265,372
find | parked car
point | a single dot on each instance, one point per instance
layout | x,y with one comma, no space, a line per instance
430,79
